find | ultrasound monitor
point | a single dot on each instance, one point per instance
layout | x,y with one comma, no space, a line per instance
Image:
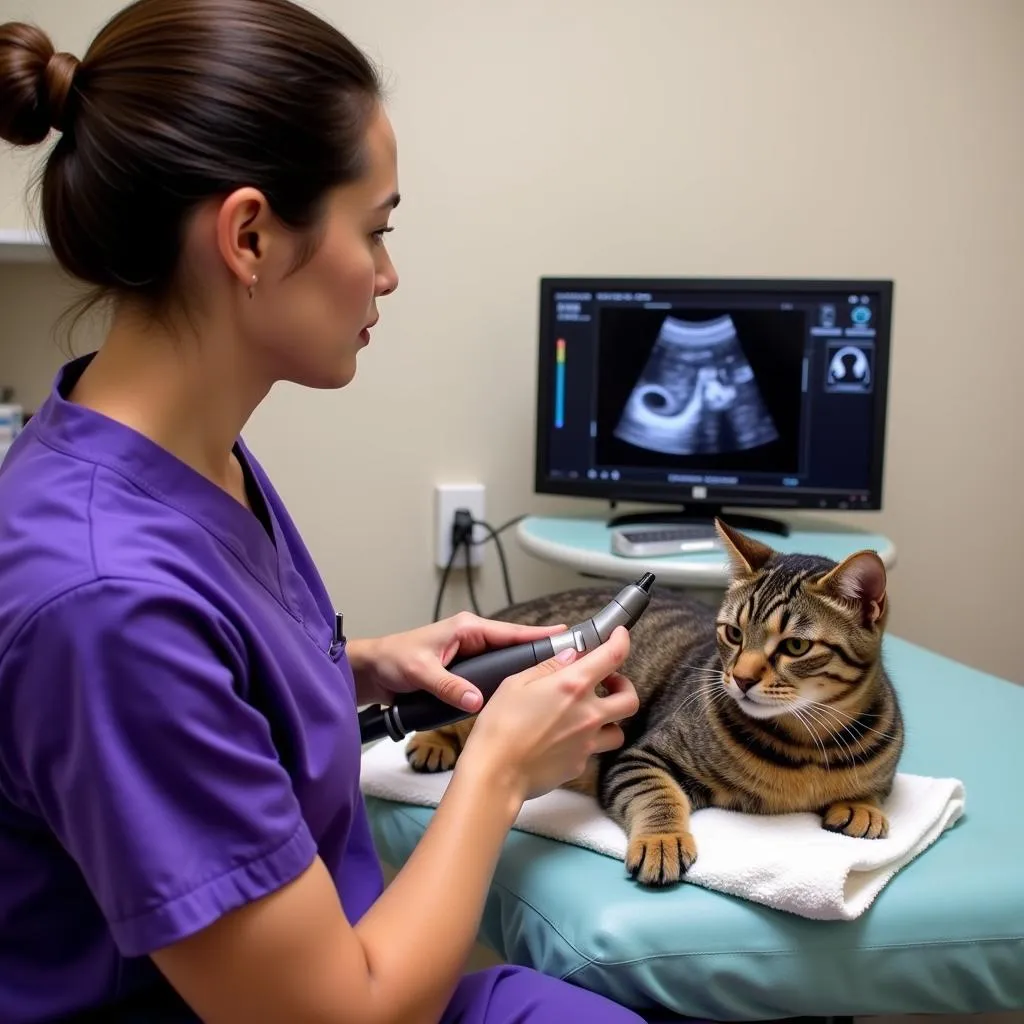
702,394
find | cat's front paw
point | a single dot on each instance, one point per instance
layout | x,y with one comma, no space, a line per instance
431,751
660,859
857,819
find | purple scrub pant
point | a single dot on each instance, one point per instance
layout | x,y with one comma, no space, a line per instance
498,995
518,995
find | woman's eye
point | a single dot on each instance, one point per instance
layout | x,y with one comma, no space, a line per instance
378,235
795,646
733,634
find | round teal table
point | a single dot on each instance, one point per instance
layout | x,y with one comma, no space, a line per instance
583,543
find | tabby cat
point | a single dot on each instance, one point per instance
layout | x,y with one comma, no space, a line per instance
776,702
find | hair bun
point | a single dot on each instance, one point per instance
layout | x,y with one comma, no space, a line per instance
60,76
35,84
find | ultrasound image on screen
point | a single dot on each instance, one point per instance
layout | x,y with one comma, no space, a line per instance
696,394
700,388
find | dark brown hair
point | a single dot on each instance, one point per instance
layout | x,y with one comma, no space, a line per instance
175,102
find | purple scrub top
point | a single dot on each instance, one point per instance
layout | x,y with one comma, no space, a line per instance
178,732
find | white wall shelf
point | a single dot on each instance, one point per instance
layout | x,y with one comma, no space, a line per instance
23,247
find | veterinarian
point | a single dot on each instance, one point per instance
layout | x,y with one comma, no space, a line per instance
182,834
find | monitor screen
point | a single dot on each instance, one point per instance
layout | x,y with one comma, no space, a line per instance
716,392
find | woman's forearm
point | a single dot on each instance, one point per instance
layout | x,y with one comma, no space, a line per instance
361,655
419,933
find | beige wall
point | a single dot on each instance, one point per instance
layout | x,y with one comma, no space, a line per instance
714,137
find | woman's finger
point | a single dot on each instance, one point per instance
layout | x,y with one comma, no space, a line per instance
621,699
455,690
609,737
617,682
474,634
598,664
498,633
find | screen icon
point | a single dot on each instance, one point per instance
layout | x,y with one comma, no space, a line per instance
849,368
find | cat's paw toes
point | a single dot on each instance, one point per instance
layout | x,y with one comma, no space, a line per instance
431,752
660,859
860,820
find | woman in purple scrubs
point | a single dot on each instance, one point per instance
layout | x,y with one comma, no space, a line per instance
182,835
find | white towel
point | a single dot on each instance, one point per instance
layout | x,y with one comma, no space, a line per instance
785,861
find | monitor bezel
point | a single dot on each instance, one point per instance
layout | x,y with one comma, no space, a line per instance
626,491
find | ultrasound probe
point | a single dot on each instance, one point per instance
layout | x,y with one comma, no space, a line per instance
420,711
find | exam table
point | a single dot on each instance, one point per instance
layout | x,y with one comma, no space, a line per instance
946,935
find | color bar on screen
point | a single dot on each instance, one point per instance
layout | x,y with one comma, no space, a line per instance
560,383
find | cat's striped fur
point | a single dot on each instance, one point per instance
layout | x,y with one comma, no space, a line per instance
777,701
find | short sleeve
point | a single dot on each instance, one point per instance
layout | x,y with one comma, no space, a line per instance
133,740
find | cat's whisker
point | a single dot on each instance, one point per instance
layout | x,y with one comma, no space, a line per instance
830,726
845,752
708,677
817,739
815,710
709,688
714,694
710,682
820,743
838,738
852,718
688,700
838,728
720,697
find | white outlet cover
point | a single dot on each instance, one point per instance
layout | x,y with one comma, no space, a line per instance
448,498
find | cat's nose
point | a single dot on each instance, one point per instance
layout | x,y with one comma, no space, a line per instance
745,683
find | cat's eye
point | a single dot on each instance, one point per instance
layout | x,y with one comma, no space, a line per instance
795,646
733,634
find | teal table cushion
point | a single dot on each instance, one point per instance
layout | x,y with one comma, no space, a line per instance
946,935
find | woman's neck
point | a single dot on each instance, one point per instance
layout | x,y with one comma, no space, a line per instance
190,395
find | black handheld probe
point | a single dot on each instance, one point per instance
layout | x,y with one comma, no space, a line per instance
420,711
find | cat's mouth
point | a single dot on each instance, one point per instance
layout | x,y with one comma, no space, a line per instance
757,705
749,704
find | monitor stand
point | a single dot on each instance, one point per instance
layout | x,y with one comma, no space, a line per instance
704,514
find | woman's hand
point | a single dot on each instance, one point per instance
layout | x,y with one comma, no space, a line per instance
417,659
542,725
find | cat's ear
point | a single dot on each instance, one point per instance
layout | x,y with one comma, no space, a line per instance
747,556
859,580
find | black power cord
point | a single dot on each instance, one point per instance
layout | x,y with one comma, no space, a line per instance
462,538
493,535
462,535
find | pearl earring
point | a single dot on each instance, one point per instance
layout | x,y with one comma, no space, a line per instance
252,285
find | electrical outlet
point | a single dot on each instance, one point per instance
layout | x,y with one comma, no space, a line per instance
447,499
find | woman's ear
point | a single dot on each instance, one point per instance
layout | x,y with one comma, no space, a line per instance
245,230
